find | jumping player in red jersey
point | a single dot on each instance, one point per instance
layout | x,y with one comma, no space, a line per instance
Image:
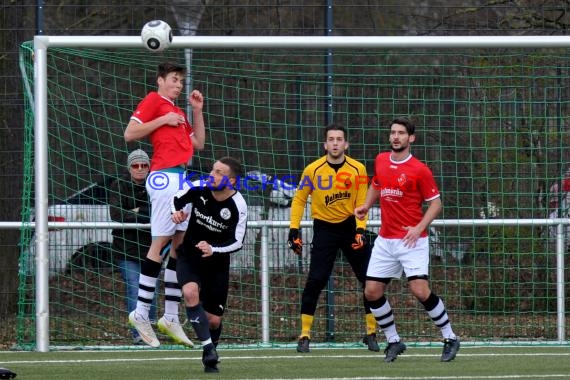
403,183
173,140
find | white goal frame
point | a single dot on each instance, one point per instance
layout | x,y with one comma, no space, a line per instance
43,43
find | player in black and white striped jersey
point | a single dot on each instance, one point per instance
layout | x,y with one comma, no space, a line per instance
216,229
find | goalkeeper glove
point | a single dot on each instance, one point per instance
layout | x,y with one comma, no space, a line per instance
294,241
359,239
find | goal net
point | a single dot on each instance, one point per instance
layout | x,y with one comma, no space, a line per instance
492,125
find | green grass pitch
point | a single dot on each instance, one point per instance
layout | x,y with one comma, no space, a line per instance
475,362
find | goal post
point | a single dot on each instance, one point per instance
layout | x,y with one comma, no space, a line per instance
358,103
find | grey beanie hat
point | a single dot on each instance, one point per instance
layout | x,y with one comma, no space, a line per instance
138,155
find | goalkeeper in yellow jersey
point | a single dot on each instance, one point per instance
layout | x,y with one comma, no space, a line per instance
336,184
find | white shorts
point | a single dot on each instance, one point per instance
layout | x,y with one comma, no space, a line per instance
390,257
161,187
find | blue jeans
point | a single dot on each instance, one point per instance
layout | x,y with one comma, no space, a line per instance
130,271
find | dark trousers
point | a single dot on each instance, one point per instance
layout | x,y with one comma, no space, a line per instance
328,238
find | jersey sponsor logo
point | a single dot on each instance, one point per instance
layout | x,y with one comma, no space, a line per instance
341,195
391,193
209,222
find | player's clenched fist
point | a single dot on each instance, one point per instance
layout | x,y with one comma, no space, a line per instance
196,99
360,212
179,216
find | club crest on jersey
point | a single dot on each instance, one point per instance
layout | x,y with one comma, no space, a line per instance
402,179
225,213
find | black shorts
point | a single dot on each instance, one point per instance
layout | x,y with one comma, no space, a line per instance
212,274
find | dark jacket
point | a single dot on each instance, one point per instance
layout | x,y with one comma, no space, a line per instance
124,197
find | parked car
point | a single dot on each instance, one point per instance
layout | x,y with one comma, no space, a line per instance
65,246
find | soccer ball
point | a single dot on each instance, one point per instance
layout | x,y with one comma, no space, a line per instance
156,35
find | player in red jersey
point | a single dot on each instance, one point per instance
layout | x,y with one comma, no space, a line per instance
173,141
403,184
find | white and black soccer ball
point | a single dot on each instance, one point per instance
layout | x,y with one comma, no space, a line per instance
156,35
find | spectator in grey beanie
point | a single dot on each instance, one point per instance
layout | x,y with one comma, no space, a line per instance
128,201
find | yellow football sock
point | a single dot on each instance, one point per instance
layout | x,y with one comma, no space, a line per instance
306,324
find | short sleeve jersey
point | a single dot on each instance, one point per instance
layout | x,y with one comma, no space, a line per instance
404,186
172,146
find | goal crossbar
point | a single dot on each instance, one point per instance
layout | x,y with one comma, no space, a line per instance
311,42
43,42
